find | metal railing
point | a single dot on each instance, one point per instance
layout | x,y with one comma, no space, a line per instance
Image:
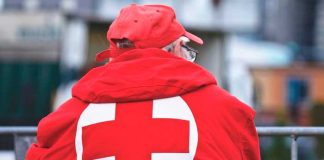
18,130
23,136
293,132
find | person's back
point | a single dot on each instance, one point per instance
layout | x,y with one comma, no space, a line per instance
148,104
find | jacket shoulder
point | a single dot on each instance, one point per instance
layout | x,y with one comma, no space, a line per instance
219,113
214,98
55,130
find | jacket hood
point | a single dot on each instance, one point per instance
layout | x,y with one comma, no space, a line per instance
141,74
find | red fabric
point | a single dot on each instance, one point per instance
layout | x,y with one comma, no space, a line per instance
141,74
133,147
56,132
225,125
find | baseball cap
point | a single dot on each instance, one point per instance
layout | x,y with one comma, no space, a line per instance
147,26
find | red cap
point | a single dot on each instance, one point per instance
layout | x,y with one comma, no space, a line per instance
147,26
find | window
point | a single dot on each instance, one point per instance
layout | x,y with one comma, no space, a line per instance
13,4
50,4
297,95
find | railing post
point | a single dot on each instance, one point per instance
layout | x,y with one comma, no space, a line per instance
22,143
294,147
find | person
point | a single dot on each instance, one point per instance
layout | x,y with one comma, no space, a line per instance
149,102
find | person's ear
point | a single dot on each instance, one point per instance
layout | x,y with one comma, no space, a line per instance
177,48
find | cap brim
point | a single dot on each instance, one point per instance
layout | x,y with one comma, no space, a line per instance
194,38
103,55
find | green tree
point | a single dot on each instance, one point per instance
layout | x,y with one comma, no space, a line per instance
278,150
317,114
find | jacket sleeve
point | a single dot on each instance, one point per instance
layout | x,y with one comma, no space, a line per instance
249,141
248,135
56,133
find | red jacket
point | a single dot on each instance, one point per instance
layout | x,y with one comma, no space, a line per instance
148,104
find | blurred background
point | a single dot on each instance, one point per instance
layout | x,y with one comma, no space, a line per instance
268,53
